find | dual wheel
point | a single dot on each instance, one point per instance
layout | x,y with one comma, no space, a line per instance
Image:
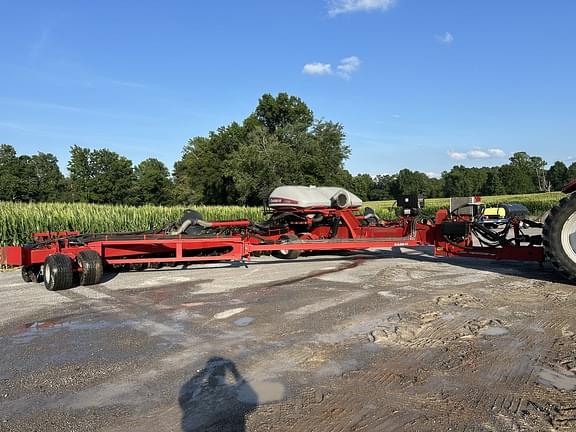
59,272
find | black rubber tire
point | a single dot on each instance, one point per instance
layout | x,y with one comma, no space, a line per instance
27,274
35,273
287,254
91,267
58,272
552,237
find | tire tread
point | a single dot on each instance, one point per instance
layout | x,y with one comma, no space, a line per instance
62,277
551,236
92,268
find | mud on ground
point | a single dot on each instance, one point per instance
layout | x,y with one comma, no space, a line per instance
367,342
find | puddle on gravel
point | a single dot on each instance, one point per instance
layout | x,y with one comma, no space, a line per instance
334,368
244,321
261,392
387,294
228,313
562,381
29,331
493,331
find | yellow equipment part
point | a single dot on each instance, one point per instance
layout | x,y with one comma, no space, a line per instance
495,212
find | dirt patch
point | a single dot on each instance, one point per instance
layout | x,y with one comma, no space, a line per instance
322,343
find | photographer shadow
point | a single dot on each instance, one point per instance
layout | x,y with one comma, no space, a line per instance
217,398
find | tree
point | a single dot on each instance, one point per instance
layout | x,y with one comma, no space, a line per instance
558,175
152,183
529,173
521,174
459,181
572,171
80,172
100,176
538,165
283,111
112,178
494,184
516,180
200,176
435,188
410,182
382,187
9,173
280,143
320,154
51,182
362,185
261,164
19,181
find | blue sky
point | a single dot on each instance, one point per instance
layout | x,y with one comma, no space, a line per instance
420,84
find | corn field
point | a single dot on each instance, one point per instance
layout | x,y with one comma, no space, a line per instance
537,204
19,220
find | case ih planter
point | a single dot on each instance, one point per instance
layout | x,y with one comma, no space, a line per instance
302,219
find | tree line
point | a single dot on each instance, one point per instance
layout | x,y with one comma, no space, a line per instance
281,142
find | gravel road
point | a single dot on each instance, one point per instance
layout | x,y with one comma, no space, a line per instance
378,341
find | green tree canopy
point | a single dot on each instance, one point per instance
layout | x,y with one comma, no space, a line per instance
100,176
572,171
280,143
410,182
30,178
152,183
10,172
51,181
558,175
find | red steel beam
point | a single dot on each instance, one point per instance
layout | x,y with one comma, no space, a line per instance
351,235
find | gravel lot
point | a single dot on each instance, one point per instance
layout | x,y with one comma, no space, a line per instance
378,341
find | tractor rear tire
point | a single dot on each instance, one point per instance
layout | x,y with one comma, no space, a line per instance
91,267
559,236
58,272
285,253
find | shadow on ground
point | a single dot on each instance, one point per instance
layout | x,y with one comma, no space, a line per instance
217,398
529,270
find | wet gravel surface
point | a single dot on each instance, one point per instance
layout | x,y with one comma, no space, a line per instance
356,342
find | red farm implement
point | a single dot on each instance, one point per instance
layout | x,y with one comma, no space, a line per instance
301,220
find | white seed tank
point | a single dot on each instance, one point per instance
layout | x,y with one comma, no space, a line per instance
312,197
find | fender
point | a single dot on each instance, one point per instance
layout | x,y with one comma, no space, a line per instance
570,187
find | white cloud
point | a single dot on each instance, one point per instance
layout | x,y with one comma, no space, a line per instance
348,66
345,68
495,152
446,39
457,155
317,69
433,175
477,154
337,7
